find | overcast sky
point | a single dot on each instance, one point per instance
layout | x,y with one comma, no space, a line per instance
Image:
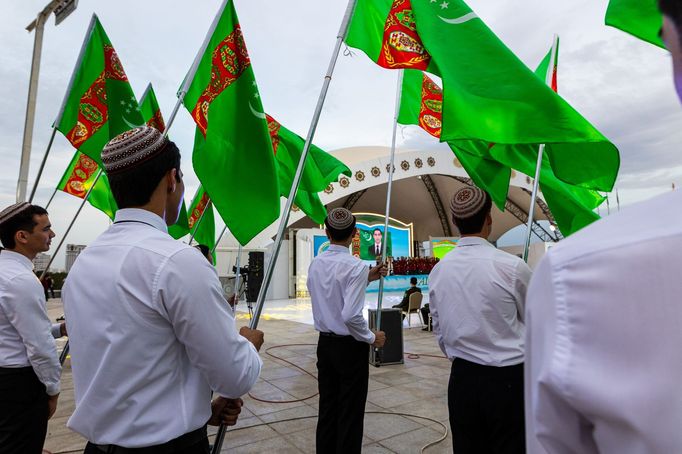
623,86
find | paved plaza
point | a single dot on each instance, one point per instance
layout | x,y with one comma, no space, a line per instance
280,414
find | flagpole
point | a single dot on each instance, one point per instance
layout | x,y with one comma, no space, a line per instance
73,221
195,227
290,200
42,164
51,197
236,279
617,200
195,65
220,237
389,189
541,150
301,163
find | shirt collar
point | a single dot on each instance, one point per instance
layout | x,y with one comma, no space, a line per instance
473,241
19,258
337,248
140,215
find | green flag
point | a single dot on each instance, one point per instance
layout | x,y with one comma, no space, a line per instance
99,103
202,227
320,169
640,18
233,155
79,177
489,94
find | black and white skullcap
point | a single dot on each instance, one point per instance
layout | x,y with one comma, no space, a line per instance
131,148
13,211
467,202
340,219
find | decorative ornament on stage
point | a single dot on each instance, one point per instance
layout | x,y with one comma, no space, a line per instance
360,175
344,182
375,171
329,189
405,166
402,47
418,163
431,161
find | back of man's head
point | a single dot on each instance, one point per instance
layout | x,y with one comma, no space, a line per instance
413,280
14,218
136,161
340,224
470,207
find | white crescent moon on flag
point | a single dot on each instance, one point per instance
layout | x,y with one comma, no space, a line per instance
459,20
130,125
257,114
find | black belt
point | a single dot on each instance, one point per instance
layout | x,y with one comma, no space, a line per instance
177,444
324,334
26,370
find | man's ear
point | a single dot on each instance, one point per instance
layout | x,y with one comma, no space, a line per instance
21,237
171,180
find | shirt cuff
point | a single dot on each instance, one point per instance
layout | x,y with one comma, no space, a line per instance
56,330
53,389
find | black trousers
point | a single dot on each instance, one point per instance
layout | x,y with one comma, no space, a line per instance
342,373
23,411
486,408
195,442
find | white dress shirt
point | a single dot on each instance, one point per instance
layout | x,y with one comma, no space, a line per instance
476,298
604,358
25,331
337,282
151,335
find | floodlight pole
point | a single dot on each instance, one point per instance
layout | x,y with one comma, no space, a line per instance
39,26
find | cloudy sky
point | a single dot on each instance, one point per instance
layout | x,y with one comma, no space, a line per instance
623,86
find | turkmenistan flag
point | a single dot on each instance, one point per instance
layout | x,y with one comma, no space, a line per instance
233,155
79,177
640,18
151,115
489,94
99,103
202,227
320,169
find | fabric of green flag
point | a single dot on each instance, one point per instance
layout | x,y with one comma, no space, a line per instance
202,227
100,103
320,169
489,94
640,18
79,177
233,155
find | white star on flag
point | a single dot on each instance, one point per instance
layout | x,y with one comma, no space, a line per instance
444,5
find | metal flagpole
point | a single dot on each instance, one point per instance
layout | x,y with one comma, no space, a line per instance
617,200
301,163
42,164
220,237
388,203
236,279
297,179
538,167
193,69
608,205
51,197
73,221
195,227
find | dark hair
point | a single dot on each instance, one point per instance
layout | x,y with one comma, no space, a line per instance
413,280
474,223
672,9
377,230
340,235
23,221
205,251
134,187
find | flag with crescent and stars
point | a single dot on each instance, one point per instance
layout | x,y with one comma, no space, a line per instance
99,103
79,177
572,206
233,155
489,95
202,220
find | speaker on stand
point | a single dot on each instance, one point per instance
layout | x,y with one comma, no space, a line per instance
392,325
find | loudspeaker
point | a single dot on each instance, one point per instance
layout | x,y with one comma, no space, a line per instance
392,325
255,276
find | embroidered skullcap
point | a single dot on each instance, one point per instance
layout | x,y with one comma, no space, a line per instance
131,148
467,202
13,210
340,219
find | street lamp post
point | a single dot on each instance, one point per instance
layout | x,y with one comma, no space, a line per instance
61,9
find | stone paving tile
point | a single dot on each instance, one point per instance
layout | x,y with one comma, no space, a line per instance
413,441
303,440
390,397
237,436
277,444
288,427
379,426
375,448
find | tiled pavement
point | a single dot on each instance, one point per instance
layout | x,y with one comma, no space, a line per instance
417,388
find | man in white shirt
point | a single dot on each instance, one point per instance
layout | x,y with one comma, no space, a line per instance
29,365
151,334
604,326
337,283
477,295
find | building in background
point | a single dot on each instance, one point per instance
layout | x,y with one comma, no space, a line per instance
72,251
41,261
